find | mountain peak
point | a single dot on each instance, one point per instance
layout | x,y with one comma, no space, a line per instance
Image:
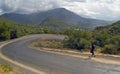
60,9
61,14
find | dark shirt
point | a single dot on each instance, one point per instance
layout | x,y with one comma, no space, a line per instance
92,48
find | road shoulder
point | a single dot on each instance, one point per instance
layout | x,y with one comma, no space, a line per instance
106,59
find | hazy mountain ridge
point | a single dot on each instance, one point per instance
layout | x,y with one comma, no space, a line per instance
61,14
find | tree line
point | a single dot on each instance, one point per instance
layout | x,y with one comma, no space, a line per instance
107,39
11,31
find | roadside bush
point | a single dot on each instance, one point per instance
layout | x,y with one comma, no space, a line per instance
101,38
4,32
110,49
78,39
115,40
84,44
6,68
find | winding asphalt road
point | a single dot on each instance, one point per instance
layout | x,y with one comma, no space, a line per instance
51,63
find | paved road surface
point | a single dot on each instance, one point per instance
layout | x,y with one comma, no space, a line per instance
54,63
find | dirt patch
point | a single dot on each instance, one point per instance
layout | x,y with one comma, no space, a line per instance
51,43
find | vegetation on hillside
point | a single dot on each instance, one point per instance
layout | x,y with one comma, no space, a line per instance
10,30
106,38
56,25
78,39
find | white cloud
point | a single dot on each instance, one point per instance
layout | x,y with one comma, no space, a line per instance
26,6
100,9
9,5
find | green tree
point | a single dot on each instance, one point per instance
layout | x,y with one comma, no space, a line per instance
101,38
78,39
110,49
13,34
46,30
4,32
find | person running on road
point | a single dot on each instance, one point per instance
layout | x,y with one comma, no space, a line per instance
92,49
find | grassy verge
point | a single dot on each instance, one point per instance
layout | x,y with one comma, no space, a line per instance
7,69
56,45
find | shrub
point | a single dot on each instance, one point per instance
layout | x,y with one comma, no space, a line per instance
84,44
6,67
110,49
101,38
78,39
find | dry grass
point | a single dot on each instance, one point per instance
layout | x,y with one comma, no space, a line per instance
7,69
48,44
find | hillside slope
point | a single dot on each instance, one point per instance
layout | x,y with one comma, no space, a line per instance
111,29
61,14
56,24
18,29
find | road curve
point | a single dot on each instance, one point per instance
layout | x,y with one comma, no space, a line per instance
51,63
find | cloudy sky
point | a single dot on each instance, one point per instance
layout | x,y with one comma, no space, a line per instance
99,9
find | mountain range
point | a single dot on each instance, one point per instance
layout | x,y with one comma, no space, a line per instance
61,14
